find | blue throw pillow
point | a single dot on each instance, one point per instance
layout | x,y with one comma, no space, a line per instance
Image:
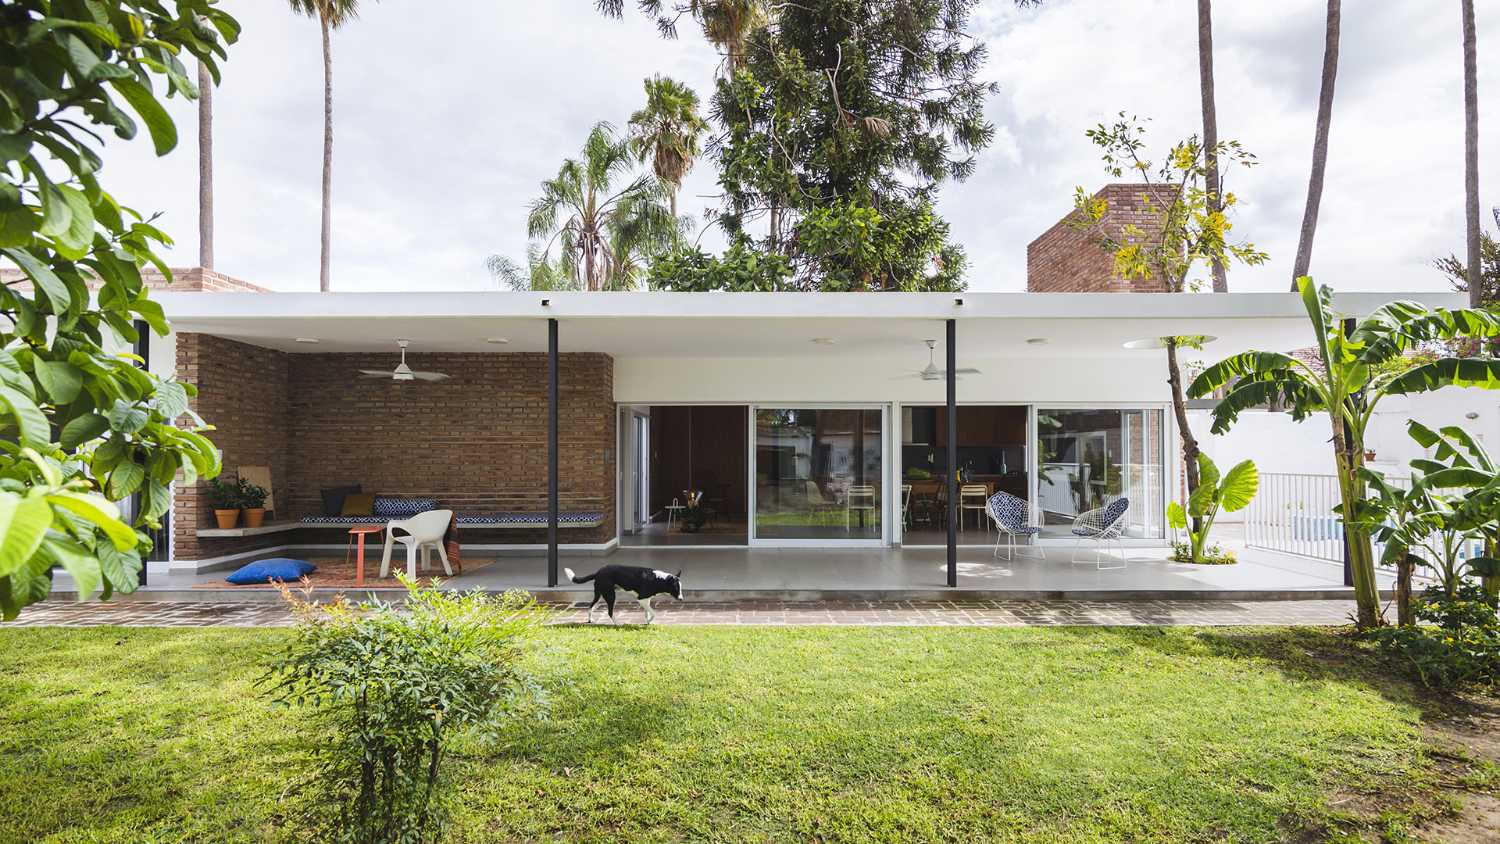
276,568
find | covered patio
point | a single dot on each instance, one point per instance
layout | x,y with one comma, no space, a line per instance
835,425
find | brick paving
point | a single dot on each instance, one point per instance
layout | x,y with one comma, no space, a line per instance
762,613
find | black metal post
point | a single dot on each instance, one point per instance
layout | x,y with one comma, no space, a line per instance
952,455
551,452
142,347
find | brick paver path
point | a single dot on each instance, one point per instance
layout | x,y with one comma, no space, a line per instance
777,613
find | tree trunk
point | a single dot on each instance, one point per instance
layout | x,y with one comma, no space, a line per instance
1179,409
1404,569
1349,458
1471,155
1320,145
327,156
1210,127
205,167
588,268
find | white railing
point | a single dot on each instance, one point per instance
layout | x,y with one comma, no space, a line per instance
1293,514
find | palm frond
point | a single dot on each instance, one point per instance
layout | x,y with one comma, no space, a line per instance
1445,372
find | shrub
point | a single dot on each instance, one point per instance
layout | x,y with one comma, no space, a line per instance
394,685
1456,642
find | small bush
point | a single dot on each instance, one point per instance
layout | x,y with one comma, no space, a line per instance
393,684
1213,555
1455,642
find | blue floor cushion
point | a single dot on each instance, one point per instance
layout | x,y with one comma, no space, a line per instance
277,568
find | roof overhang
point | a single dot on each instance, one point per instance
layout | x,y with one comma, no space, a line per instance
758,324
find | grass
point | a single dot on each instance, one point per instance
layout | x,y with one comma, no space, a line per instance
747,734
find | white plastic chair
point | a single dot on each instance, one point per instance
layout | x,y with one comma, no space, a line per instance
423,531
973,498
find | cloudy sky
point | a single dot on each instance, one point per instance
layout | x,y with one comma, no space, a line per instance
448,114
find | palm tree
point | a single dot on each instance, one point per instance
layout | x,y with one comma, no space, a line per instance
727,24
602,231
1471,154
667,132
205,167
1210,127
1320,144
331,15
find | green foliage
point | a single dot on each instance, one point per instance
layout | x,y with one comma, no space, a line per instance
82,424
1457,645
742,268
1230,493
603,230
1186,231
1346,389
839,125
666,132
252,496
223,494
1456,270
395,685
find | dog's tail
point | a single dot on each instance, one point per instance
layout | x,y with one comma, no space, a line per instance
576,579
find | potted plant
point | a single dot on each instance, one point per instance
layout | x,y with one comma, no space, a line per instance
225,498
252,502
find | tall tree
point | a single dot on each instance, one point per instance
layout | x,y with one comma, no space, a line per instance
600,226
1471,153
1320,144
1210,128
205,167
331,15
667,132
727,24
1180,232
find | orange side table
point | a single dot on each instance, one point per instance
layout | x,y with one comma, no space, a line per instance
358,534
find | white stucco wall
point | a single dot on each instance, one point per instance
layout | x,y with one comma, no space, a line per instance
824,378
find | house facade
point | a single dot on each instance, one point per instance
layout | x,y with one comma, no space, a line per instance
763,420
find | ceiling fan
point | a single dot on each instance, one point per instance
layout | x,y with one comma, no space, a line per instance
402,372
931,372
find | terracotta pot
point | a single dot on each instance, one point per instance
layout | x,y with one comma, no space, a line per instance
227,518
254,516
1369,454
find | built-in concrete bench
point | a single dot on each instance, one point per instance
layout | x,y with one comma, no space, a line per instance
483,521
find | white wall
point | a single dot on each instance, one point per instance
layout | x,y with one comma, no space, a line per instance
815,378
1278,444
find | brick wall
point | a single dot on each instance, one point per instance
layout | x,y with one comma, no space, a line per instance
1066,259
184,280
476,442
242,391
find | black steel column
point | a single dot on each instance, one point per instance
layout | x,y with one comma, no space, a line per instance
952,456
551,452
1349,326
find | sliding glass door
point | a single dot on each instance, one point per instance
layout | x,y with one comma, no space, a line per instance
819,475
1087,458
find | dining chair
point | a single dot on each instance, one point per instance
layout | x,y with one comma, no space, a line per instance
860,499
972,497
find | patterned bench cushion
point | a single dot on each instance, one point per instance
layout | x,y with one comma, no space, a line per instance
538,519
344,520
390,507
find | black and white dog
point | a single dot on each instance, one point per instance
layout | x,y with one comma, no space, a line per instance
645,583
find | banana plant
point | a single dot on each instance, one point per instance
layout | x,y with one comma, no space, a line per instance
1228,493
1460,461
1353,376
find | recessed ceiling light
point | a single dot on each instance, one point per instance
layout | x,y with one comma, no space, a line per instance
307,339
824,341
499,341
1036,341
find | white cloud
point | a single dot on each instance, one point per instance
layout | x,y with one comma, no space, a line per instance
447,120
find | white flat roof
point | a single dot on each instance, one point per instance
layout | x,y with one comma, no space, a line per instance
755,324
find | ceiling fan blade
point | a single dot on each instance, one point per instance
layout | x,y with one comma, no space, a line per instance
966,370
430,376
375,373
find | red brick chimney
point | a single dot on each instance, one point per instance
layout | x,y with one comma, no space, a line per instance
1067,259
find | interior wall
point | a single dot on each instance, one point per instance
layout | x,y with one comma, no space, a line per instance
699,447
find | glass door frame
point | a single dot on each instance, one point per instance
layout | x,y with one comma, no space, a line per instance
885,473
898,437
1171,461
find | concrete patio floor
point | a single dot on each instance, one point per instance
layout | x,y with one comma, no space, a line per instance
730,574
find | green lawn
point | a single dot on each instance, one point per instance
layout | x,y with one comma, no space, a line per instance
746,734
